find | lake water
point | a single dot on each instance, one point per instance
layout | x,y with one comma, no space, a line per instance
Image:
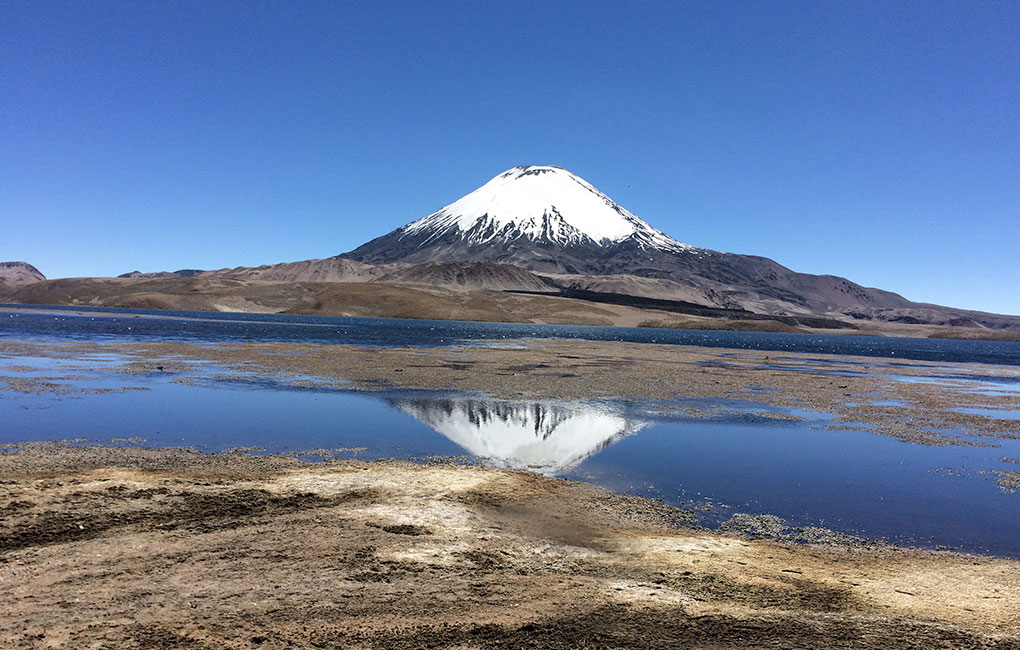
735,461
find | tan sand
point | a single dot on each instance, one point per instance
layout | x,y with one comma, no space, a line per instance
139,548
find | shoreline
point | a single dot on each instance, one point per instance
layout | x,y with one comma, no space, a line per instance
156,547
495,307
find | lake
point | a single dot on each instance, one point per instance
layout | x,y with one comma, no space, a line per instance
738,460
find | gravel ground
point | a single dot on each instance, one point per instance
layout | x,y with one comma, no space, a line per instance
150,548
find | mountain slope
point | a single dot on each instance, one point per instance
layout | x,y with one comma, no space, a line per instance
468,276
328,270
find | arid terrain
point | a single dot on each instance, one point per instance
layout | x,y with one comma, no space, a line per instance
323,298
398,300
133,548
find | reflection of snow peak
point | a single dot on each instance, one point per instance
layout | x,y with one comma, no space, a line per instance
546,436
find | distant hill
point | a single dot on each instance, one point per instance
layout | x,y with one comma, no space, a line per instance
19,273
183,273
454,275
330,270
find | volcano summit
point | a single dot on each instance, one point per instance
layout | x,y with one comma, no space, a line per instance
542,218
524,206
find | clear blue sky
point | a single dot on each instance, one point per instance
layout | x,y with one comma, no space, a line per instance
878,141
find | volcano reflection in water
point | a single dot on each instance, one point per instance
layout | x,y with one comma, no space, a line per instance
547,436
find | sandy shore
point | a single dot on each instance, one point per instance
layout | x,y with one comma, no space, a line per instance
134,548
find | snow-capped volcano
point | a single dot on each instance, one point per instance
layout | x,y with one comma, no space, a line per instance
540,217
539,203
549,222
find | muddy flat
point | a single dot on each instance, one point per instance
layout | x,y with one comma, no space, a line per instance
141,548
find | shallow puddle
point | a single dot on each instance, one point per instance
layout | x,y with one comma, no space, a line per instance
997,414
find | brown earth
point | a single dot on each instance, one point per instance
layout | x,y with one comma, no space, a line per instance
326,298
973,334
468,276
394,300
328,270
133,548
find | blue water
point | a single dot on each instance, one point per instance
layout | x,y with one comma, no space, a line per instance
96,323
850,481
